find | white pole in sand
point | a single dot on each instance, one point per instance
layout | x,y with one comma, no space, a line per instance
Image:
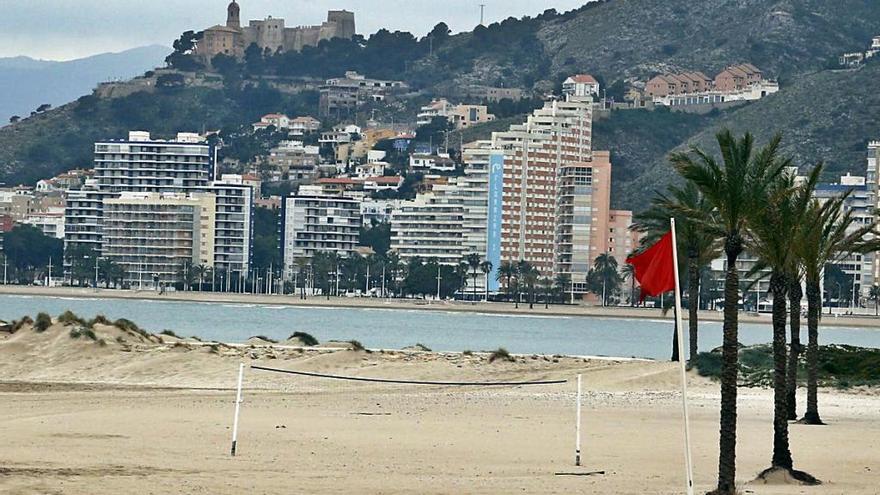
689,468
237,407
577,429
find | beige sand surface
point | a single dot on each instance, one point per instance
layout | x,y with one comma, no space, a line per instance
867,321
139,417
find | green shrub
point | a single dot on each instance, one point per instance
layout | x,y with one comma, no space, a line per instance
99,320
26,320
43,322
130,326
169,333
305,338
467,353
75,333
70,318
422,347
101,343
263,337
356,345
501,353
88,332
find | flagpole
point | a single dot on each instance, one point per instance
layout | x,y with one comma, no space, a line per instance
683,366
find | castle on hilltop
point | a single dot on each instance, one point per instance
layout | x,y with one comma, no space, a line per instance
270,34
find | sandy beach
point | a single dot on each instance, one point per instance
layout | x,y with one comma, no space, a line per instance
410,304
136,415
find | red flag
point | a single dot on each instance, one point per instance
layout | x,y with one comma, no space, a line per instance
654,267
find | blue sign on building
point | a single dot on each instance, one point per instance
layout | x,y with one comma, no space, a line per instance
496,191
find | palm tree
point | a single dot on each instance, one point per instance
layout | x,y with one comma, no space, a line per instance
628,272
829,234
200,271
734,188
547,286
795,295
874,295
506,272
772,231
696,243
530,276
486,268
473,262
606,267
562,284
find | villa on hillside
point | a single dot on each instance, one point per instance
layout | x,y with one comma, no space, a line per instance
737,83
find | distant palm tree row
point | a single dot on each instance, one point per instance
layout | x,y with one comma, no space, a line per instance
752,201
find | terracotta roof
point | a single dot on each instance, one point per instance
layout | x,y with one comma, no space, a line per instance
273,116
250,177
390,179
584,78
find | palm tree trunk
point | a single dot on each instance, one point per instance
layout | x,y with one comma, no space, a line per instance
795,294
675,356
729,371
693,307
814,301
781,451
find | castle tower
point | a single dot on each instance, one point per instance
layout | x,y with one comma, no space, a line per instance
233,15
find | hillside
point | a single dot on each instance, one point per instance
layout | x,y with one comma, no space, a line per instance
828,116
825,114
27,83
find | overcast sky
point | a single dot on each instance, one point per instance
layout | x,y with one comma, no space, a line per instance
66,29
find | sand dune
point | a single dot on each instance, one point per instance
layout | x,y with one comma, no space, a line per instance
137,412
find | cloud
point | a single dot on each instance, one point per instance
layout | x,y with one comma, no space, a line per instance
65,29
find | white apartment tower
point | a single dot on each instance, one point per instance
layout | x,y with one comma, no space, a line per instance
312,224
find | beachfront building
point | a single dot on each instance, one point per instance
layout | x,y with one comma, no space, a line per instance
84,217
555,191
234,227
154,237
429,227
144,164
313,224
182,166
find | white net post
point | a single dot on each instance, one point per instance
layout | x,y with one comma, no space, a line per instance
237,408
577,428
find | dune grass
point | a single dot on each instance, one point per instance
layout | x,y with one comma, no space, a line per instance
306,338
502,354
43,322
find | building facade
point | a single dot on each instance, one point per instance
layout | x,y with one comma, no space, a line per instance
154,237
313,224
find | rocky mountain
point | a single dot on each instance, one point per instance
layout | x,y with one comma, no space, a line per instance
26,83
824,114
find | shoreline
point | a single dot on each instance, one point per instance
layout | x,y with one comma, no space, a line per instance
492,308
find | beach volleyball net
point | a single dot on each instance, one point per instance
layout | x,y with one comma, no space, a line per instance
403,385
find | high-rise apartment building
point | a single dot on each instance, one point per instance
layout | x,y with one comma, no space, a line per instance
182,166
312,224
144,164
555,191
153,236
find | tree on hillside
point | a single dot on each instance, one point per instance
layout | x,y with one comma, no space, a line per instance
733,187
42,108
377,237
182,57
14,119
